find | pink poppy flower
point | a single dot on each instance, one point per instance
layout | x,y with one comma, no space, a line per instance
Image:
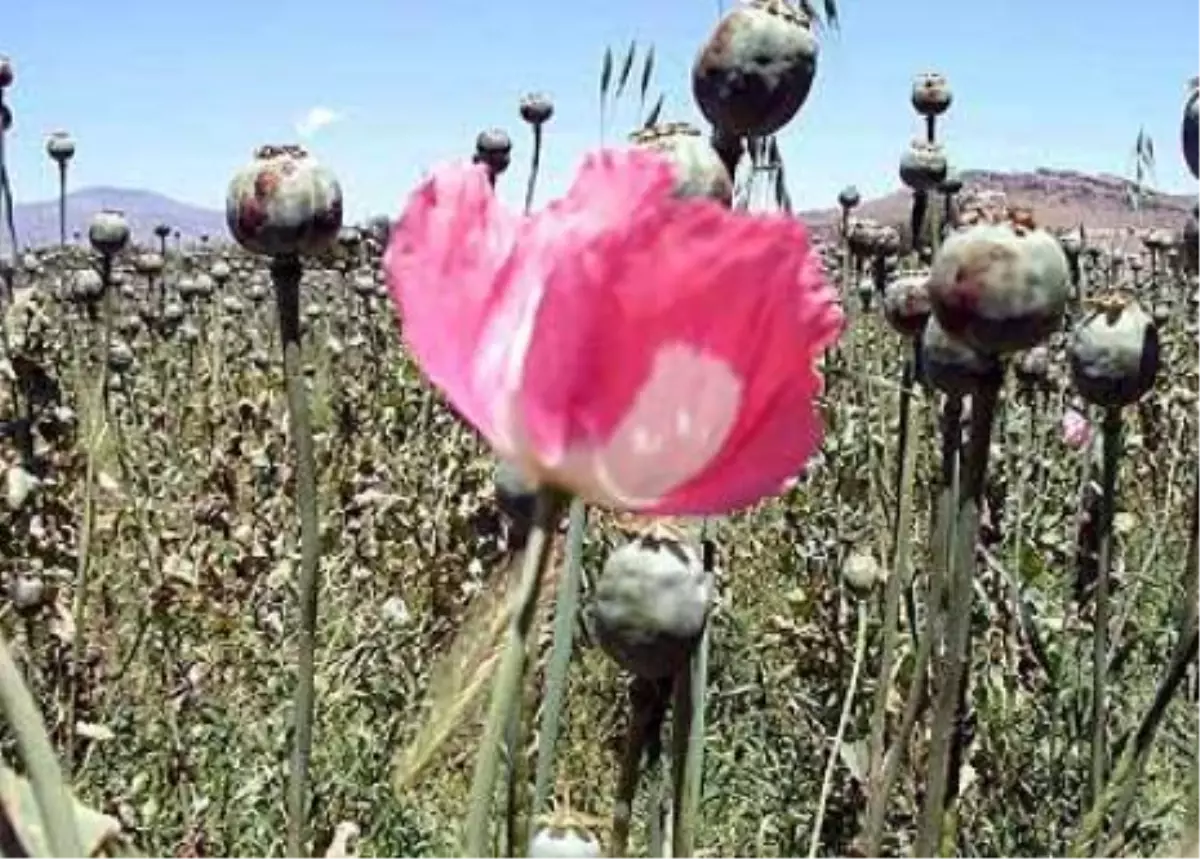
645,352
1076,430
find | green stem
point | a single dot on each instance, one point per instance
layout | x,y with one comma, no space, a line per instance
534,167
860,648
45,778
946,727
565,611
97,426
898,581
285,278
510,674
687,754
1111,438
1137,751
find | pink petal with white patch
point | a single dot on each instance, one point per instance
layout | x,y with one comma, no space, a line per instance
671,367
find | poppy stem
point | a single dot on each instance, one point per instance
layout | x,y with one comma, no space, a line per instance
534,166
511,673
285,277
565,611
898,581
1111,440
946,733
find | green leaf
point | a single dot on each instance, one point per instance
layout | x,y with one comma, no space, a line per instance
626,68
97,832
647,72
606,73
654,114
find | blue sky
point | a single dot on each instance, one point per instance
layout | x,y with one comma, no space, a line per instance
173,97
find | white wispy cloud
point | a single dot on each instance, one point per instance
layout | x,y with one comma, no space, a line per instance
315,119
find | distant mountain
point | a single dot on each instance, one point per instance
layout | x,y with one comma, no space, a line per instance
1059,198
37,223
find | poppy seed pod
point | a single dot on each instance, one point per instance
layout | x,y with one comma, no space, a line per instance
567,842
906,303
1000,287
493,148
923,165
536,108
849,197
755,71
87,285
650,605
862,236
699,170
108,232
220,272
60,147
862,572
162,231
1114,353
931,95
953,367
6,72
1189,135
284,204
148,264
887,242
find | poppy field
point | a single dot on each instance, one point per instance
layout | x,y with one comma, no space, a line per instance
644,521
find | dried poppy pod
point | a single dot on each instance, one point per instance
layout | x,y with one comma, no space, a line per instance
755,71
862,573
87,285
60,147
284,204
849,197
1189,136
953,367
887,242
906,303
1113,353
862,235
220,272
1000,287
148,264
6,72
699,170
493,148
564,843
650,605
536,108
108,232
923,165
931,95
